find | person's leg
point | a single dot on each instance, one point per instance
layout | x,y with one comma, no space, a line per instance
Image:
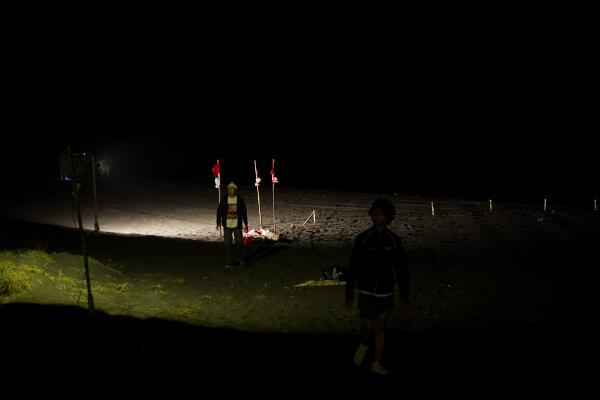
238,244
379,332
367,313
366,332
227,238
365,341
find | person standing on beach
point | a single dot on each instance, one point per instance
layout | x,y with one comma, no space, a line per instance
377,254
230,215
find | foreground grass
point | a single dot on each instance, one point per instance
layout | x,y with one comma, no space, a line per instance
13,278
26,269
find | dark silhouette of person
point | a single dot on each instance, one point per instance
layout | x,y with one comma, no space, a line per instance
377,254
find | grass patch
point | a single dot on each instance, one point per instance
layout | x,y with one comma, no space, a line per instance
37,258
26,269
12,278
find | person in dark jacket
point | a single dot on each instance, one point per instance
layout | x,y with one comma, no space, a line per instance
230,215
377,254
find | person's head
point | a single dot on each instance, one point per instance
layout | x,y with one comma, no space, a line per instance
232,189
382,212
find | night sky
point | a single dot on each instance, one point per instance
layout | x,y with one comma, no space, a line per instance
459,115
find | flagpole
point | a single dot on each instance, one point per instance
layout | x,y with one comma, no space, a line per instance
219,189
219,176
273,184
257,195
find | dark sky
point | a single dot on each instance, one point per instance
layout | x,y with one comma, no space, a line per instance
441,114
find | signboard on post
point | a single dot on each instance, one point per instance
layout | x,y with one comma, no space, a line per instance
76,167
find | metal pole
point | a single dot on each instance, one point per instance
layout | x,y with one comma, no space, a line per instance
75,190
219,178
96,226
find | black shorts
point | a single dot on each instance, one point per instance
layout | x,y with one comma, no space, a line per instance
369,307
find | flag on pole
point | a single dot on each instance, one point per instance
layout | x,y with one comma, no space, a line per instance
257,181
273,177
216,169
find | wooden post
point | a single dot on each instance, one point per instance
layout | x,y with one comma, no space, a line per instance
491,208
96,226
595,205
257,182
314,217
75,190
432,210
544,204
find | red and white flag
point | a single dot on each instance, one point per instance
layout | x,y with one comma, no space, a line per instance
216,169
273,177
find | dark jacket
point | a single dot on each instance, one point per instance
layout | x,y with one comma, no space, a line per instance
374,255
241,210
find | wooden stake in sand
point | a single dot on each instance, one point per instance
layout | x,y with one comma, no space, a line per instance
491,208
257,184
545,204
312,214
432,209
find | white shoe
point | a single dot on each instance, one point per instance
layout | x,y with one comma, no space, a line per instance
359,356
377,368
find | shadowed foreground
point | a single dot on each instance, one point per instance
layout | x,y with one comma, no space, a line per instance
60,350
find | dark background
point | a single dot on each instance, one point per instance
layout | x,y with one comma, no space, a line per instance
469,111
461,101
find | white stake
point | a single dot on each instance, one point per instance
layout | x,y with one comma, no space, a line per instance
491,208
595,205
432,209
257,182
311,215
273,188
544,204
314,217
